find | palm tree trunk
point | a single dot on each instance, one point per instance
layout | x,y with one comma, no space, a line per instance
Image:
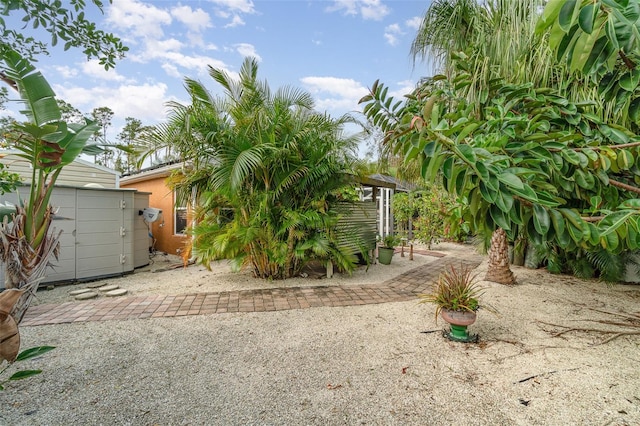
499,271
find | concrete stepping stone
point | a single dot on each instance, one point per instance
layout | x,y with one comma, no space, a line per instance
110,287
79,291
117,292
95,284
86,296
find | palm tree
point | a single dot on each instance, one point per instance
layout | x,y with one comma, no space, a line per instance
273,161
27,242
500,39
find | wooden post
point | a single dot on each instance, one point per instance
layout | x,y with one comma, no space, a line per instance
411,250
329,269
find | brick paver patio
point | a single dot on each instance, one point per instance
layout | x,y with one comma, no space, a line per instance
402,288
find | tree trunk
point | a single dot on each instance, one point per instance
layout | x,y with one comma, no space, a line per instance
499,271
25,266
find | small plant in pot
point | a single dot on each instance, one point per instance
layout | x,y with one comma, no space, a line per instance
455,295
387,248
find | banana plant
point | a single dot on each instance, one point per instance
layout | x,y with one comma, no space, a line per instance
48,143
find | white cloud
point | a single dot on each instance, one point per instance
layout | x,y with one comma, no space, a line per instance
335,94
94,69
403,88
142,20
158,48
393,28
198,63
243,6
171,70
222,14
414,23
341,95
66,72
235,22
345,87
246,49
368,9
373,9
233,9
196,20
391,39
391,33
145,102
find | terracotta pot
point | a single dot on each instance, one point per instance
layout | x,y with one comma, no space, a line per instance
461,318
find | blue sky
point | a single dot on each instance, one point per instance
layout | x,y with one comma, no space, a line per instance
333,49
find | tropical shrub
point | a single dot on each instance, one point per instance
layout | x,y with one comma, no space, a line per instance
8,180
534,164
281,167
433,214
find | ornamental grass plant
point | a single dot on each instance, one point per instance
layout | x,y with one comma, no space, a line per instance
455,290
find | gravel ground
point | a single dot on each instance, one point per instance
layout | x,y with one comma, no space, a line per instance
384,364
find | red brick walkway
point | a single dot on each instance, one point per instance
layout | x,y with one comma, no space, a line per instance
402,288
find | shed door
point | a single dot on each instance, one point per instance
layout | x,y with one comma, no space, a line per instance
100,233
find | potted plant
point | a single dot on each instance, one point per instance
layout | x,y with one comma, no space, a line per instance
387,248
455,295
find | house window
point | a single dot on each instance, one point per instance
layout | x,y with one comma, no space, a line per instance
179,219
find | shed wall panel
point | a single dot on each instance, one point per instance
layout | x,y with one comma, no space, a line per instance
140,231
98,234
91,243
357,227
75,174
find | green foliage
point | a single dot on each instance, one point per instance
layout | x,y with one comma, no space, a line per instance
63,23
455,290
46,141
601,39
433,213
8,180
601,264
534,163
389,240
23,356
281,167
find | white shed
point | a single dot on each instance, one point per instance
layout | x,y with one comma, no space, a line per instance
103,232
79,173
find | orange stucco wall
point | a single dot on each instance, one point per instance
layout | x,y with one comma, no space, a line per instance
161,198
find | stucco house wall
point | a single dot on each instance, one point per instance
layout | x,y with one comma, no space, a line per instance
164,235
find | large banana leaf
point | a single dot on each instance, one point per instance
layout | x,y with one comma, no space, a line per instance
48,142
36,93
